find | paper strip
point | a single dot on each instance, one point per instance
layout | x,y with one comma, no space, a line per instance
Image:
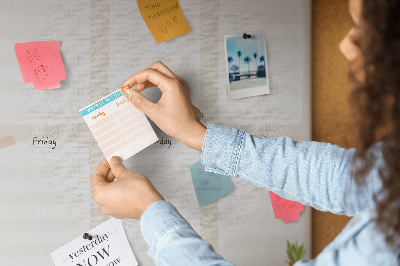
7,141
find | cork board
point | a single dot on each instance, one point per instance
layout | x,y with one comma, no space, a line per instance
330,97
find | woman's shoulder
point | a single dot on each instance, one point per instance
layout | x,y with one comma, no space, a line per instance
364,240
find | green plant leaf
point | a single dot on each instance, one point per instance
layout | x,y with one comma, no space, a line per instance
296,257
299,251
291,258
303,253
287,244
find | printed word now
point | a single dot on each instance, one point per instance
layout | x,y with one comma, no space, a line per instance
94,258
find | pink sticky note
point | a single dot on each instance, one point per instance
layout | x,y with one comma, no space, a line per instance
41,63
284,209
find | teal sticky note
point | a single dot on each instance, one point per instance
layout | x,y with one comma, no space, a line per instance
209,186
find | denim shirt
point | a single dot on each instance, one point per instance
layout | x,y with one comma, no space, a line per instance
312,173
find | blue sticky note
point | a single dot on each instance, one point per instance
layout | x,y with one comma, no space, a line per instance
209,186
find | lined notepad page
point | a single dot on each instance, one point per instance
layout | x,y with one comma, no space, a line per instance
118,126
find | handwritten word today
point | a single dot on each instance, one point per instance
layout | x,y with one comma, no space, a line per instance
100,114
44,141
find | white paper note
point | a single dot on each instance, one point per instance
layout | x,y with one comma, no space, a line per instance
108,247
118,126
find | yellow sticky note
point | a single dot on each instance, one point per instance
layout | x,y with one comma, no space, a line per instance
164,18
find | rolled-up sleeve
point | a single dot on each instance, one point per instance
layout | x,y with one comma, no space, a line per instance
313,173
171,239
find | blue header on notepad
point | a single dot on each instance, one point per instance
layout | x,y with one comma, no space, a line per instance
101,103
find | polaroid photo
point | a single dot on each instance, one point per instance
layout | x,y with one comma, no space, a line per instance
246,64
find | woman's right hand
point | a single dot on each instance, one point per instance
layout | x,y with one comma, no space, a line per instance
174,113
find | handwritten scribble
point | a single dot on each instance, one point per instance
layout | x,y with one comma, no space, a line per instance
41,63
164,19
284,209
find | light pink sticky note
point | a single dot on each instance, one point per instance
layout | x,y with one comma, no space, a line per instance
41,63
284,209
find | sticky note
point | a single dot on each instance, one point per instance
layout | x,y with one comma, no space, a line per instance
108,246
164,18
284,209
209,186
118,126
41,63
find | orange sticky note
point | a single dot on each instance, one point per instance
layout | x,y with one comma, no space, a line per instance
164,18
41,63
284,209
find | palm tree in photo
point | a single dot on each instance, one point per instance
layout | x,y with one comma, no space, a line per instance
239,55
262,59
230,60
247,60
255,58
234,68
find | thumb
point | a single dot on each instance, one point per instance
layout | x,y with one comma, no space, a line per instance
139,101
117,167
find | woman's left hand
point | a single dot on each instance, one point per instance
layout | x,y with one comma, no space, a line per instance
127,197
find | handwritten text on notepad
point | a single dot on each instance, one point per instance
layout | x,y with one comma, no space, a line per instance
164,19
41,63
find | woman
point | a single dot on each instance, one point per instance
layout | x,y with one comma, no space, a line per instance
317,174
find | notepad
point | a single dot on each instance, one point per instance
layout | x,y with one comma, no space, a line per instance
118,126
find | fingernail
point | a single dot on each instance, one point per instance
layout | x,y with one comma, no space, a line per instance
115,160
129,94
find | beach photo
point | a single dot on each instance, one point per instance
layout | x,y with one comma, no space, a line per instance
246,64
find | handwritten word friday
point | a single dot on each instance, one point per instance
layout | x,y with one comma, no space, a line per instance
44,141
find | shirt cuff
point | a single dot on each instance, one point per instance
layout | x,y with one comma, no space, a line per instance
159,218
222,148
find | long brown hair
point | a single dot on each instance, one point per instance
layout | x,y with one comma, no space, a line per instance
375,103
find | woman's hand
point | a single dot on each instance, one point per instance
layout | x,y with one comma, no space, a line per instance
127,197
174,113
